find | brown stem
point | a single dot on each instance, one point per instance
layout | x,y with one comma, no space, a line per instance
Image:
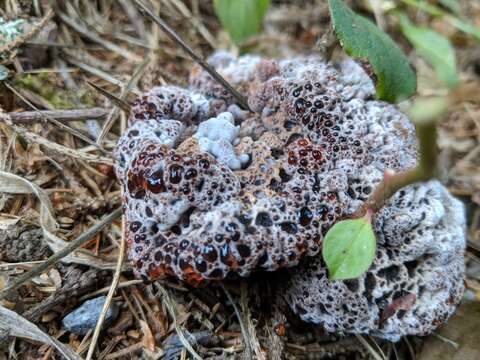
392,182
29,117
122,104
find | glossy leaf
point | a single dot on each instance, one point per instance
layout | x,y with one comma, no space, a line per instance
349,248
435,49
241,18
360,38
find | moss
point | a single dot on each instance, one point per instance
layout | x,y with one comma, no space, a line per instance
50,89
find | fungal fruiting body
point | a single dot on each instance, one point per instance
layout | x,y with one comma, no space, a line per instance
415,281
213,191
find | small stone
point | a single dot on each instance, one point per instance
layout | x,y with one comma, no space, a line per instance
86,316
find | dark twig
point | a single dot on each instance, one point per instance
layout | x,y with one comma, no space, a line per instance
175,38
122,104
83,238
73,131
28,117
76,283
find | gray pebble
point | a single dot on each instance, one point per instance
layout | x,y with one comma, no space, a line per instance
86,316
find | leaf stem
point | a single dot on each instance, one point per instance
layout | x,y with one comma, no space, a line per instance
392,182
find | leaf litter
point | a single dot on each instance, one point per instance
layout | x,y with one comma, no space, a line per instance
54,181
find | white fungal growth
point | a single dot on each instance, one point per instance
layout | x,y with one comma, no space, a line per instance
200,209
218,136
415,280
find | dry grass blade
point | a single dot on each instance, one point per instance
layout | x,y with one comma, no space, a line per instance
14,184
95,71
170,305
87,235
14,325
62,149
52,145
62,126
370,349
96,38
175,38
113,114
122,104
245,333
108,300
249,325
135,19
195,22
30,117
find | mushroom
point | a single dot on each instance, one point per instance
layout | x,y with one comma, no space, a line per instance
211,191
415,281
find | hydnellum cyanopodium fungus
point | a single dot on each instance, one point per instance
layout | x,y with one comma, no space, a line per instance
212,191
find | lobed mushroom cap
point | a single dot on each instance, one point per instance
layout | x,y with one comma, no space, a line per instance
212,191
416,279
210,200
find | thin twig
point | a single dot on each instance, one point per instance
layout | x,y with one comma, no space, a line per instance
245,334
83,238
28,117
62,126
175,38
122,104
108,300
169,304
112,116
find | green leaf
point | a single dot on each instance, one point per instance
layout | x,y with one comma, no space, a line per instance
439,12
453,5
349,248
241,18
435,49
360,38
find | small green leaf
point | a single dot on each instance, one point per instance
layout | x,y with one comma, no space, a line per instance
435,49
453,5
360,38
241,18
439,12
349,248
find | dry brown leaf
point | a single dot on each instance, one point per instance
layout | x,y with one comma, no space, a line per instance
55,277
148,339
14,325
14,184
